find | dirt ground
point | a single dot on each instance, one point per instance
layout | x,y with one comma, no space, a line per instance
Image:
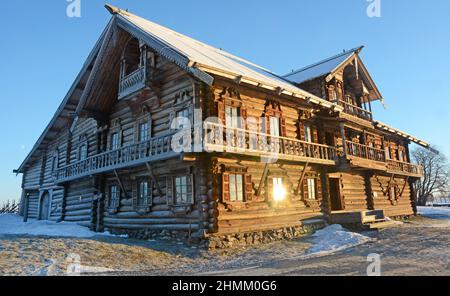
419,247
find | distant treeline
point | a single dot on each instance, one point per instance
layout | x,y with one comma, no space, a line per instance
9,207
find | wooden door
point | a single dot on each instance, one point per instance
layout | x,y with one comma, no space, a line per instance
44,209
336,201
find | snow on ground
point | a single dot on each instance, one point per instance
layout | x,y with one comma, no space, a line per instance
14,225
335,238
435,213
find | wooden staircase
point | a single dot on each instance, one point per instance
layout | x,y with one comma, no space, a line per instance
370,219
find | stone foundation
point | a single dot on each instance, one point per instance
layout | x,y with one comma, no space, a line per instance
262,237
212,241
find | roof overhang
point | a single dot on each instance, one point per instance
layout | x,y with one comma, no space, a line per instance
404,135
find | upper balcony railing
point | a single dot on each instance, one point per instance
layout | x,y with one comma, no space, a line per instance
379,155
132,82
242,141
363,151
158,148
412,169
355,110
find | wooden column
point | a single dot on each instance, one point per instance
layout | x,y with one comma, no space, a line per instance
344,145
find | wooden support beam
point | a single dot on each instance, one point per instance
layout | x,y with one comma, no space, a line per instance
120,182
302,177
404,186
390,182
263,179
155,180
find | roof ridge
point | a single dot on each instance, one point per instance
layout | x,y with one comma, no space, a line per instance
353,50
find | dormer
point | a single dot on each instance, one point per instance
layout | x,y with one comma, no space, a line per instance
343,80
136,68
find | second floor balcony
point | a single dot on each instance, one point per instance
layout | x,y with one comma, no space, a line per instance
371,157
356,111
132,83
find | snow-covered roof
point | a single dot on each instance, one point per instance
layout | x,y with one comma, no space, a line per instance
321,68
196,56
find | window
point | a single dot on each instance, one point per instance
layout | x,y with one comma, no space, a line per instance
232,117
143,194
335,96
114,199
184,113
115,142
401,155
279,192
387,151
236,186
83,152
55,161
144,134
311,188
183,190
274,126
308,137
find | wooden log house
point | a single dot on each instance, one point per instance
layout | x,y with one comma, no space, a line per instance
283,153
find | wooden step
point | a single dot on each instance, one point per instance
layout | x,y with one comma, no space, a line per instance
382,225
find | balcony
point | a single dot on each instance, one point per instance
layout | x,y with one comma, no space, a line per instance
245,142
137,154
373,158
413,170
356,111
132,83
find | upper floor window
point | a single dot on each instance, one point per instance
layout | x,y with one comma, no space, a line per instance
232,117
144,133
55,160
83,152
274,126
387,151
115,141
335,96
400,155
308,134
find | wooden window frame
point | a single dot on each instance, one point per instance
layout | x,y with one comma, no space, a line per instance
113,207
144,119
247,190
171,186
55,160
142,208
83,144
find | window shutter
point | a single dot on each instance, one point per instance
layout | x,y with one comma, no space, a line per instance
226,187
135,195
221,112
305,189
319,189
243,118
267,124
301,130
315,135
283,127
169,191
190,189
150,193
248,188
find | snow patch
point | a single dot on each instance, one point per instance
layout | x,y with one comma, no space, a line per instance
435,213
14,225
335,238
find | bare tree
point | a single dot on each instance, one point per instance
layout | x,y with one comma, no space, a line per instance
436,174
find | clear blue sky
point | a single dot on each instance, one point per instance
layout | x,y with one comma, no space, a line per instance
407,52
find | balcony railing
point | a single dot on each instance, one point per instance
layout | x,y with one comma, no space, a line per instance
132,83
363,151
392,166
355,110
399,166
158,148
235,140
